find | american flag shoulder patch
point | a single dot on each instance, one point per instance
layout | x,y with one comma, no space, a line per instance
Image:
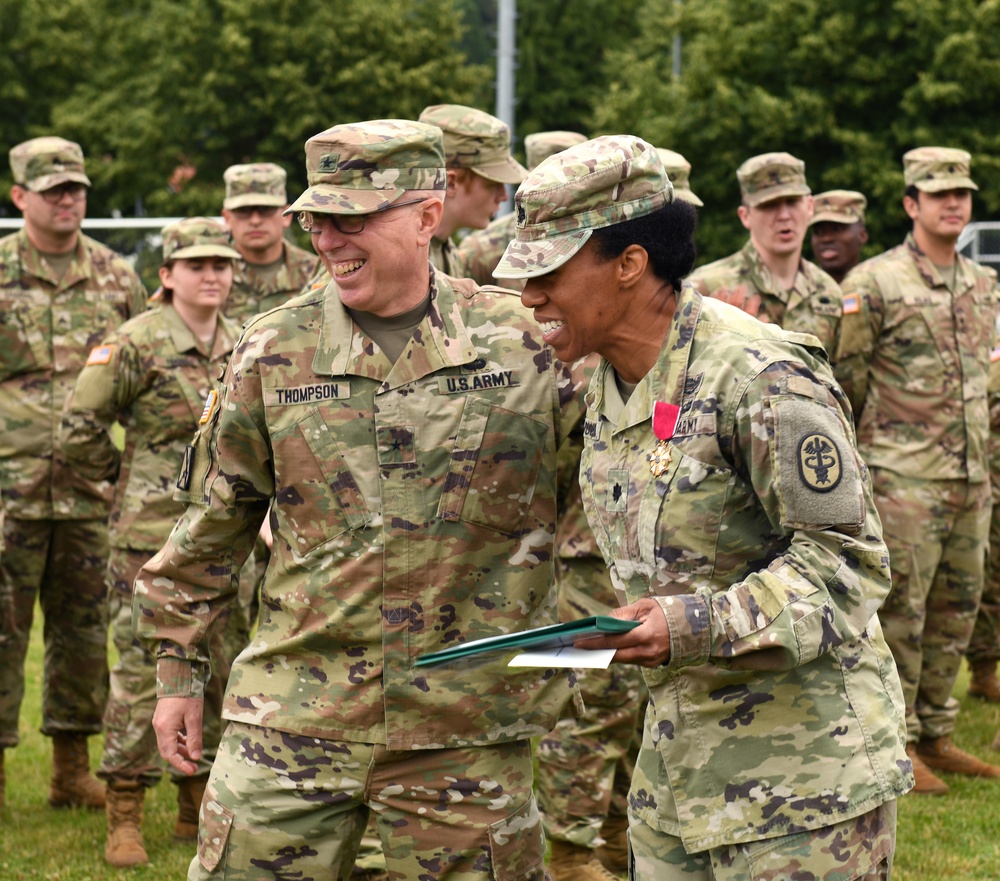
852,304
100,355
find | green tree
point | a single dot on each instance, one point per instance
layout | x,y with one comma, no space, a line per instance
185,89
561,49
846,90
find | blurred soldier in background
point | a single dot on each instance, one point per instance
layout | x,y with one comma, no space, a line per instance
769,277
838,232
61,293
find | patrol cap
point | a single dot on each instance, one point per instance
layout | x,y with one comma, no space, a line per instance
771,176
43,163
679,171
595,184
196,237
933,169
541,145
361,167
839,206
474,139
259,183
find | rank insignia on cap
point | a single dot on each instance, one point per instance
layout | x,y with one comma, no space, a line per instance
819,462
210,404
100,355
852,304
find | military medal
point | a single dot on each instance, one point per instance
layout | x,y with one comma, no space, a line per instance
664,423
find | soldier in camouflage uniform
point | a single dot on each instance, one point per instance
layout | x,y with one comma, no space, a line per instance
769,277
585,765
480,164
481,250
721,478
151,376
271,270
400,428
60,294
838,232
913,358
984,645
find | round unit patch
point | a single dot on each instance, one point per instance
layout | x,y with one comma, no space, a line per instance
819,462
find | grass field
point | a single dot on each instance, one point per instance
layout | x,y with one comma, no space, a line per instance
954,838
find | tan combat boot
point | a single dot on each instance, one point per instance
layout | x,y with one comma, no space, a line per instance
941,754
984,684
190,792
124,846
613,854
925,781
570,862
72,783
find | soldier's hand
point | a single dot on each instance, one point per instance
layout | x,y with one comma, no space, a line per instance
647,645
741,298
177,723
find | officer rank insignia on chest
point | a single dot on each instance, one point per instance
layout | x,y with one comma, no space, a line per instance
100,355
664,422
819,462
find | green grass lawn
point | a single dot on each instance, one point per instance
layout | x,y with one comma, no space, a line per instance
954,838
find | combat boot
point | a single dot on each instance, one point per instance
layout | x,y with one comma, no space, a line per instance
124,846
925,781
570,862
190,792
941,754
72,783
984,684
613,854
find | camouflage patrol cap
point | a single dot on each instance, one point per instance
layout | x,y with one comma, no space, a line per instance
474,139
933,169
259,183
595,184
839,206
679,171
541,145
771,176
361,167
43,163
196,237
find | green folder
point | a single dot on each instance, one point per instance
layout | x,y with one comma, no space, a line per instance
553,636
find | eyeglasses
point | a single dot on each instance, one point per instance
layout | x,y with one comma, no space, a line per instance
245,212
54,195
347,224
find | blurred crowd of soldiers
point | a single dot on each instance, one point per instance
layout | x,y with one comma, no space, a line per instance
912,335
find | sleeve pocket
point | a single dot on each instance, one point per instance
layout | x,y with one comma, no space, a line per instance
213,833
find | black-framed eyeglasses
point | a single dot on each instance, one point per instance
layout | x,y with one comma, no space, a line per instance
245,212
54,195
347,224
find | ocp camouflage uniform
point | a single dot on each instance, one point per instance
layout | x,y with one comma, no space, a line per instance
55,526
770,580
812,306
412,507
152,376
913,359
984,645
252,293
481,249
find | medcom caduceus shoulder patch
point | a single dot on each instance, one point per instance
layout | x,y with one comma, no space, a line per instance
820,462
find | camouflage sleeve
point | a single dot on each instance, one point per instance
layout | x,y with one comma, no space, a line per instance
797,450
859,329
573,380
138,298
108,384
183,589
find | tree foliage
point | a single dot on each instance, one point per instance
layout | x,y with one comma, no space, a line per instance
845,88
164,90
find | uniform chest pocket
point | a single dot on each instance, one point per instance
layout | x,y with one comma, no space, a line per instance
494,467
680,515
24,346
317,496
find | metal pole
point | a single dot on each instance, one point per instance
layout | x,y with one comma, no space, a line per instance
506,64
